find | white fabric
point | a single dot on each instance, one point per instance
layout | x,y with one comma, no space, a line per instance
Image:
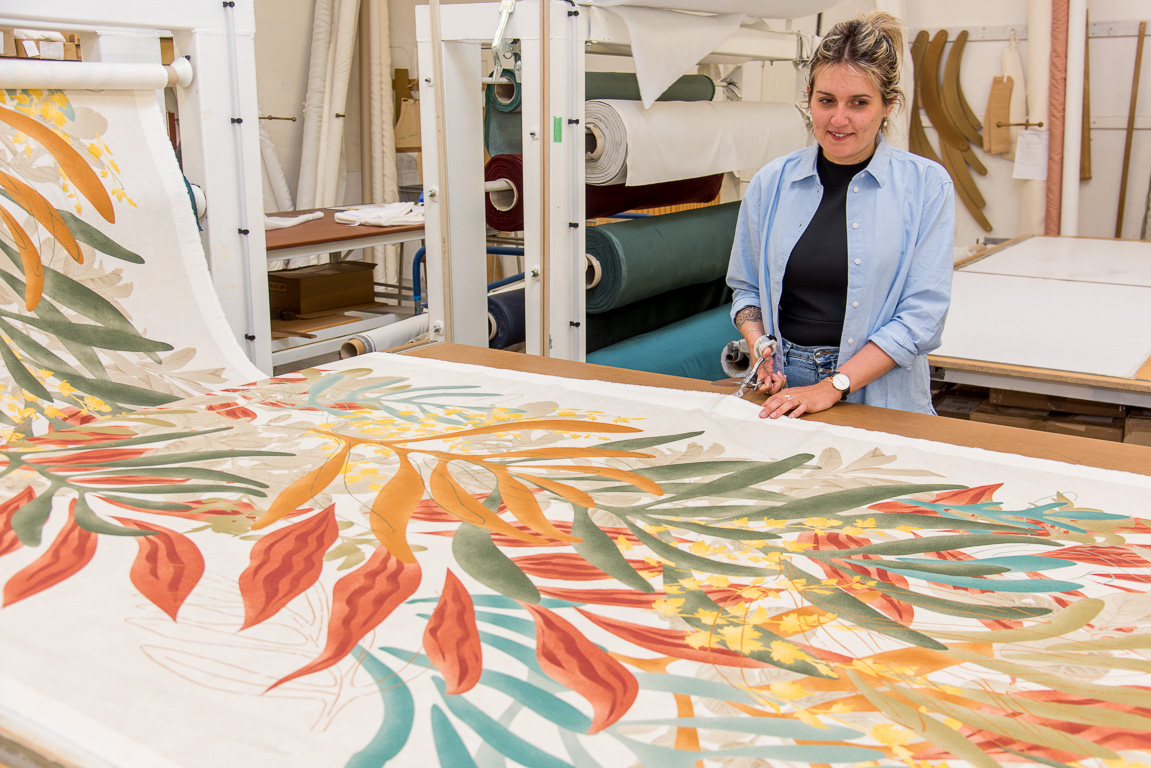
283,222
329,177
1081,259
668,44
273,171
1033,202
769,9
1073,116
380,158
684,140
314,104
1013,68
384,215
1036,322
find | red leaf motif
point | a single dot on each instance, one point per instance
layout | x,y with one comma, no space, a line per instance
1110,557
670,642
68,553
96,456
956,498
360,603
167,566
9,542
129,480
562,565
452,640
575,662
232,410
284,563
630,598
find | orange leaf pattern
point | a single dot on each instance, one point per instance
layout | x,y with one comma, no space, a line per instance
452,640
69,552
167,568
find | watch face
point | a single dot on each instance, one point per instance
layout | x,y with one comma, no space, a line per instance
840,381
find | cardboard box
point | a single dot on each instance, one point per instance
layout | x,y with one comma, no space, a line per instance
1085,425
7,44
1055,403
1022,418
957,406
1137,426
321,287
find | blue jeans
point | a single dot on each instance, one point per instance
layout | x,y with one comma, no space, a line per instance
805,366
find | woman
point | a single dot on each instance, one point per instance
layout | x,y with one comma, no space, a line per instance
843,250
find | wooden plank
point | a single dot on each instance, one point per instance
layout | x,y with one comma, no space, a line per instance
954,103
1144,371
929,94
1044,445
1130,129
1134,384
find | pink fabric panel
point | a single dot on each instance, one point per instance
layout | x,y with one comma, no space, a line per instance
1055,115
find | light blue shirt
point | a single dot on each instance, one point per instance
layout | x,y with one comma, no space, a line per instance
900,238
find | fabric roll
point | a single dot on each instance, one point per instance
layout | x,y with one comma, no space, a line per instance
1056,112
505,208
385,337
506,324
651,314
688,348
646,257
686,139
503,132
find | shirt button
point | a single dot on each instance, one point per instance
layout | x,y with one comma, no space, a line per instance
851,341
859,261
855,225
855,304
855,189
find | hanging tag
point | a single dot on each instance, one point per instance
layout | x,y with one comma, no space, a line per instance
557,130
1031,155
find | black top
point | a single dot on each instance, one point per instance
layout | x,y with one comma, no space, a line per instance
814,297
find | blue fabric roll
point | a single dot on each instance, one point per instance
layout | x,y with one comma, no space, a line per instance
690,348
506,325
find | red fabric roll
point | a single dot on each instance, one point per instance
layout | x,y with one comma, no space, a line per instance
1056,113
601,201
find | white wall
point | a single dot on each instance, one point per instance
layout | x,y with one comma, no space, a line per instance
283,40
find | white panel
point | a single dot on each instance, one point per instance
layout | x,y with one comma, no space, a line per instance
1089,328
1121,262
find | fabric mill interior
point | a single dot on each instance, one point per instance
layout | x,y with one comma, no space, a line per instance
575,383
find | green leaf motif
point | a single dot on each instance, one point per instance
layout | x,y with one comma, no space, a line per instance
481,559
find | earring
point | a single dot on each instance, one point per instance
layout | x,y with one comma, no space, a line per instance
885,122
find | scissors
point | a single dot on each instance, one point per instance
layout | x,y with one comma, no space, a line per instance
750,381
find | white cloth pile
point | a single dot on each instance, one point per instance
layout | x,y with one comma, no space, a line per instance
383,215
283,222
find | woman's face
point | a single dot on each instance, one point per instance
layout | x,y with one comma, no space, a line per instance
846,113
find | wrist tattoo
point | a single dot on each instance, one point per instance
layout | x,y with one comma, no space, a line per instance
748,315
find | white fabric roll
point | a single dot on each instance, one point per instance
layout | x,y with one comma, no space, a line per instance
274,170
387,337
383,215
687,139
36,73
1033,201
1073,120
767,9
314,104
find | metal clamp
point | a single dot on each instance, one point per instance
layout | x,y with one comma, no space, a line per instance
500,47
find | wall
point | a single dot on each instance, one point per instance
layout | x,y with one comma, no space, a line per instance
283,41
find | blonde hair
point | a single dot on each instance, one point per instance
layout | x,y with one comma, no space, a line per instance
871,44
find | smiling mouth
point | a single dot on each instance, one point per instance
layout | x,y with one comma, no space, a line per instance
839,135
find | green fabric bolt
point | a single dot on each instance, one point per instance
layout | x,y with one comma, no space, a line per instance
503,132
690,348
655,312
649,256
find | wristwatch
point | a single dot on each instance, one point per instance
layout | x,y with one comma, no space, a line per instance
840,381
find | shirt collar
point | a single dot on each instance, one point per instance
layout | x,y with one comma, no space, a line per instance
879,167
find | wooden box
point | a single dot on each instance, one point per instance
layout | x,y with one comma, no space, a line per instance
1023,418
1083,425
321,287
1056,403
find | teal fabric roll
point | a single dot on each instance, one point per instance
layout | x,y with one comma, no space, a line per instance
503,132
690,348
649,256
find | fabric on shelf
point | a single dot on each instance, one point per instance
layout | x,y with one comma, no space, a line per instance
503,122
678,140
690,347
769,9
654,312
506,323
505,210
649,256
385,215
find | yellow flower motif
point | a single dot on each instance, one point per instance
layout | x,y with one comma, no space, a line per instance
703,548
743,638
623,544
718,580
786,653
95,151
698,640
809,719
868,523
669,606
892,735
822,522
65,389
706,616
790,690
797,546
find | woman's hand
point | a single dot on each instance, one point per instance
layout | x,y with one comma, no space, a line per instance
796,401
770,382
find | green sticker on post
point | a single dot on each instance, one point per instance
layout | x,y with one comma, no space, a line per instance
557,130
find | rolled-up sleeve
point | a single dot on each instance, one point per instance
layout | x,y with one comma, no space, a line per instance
743,270
916,328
